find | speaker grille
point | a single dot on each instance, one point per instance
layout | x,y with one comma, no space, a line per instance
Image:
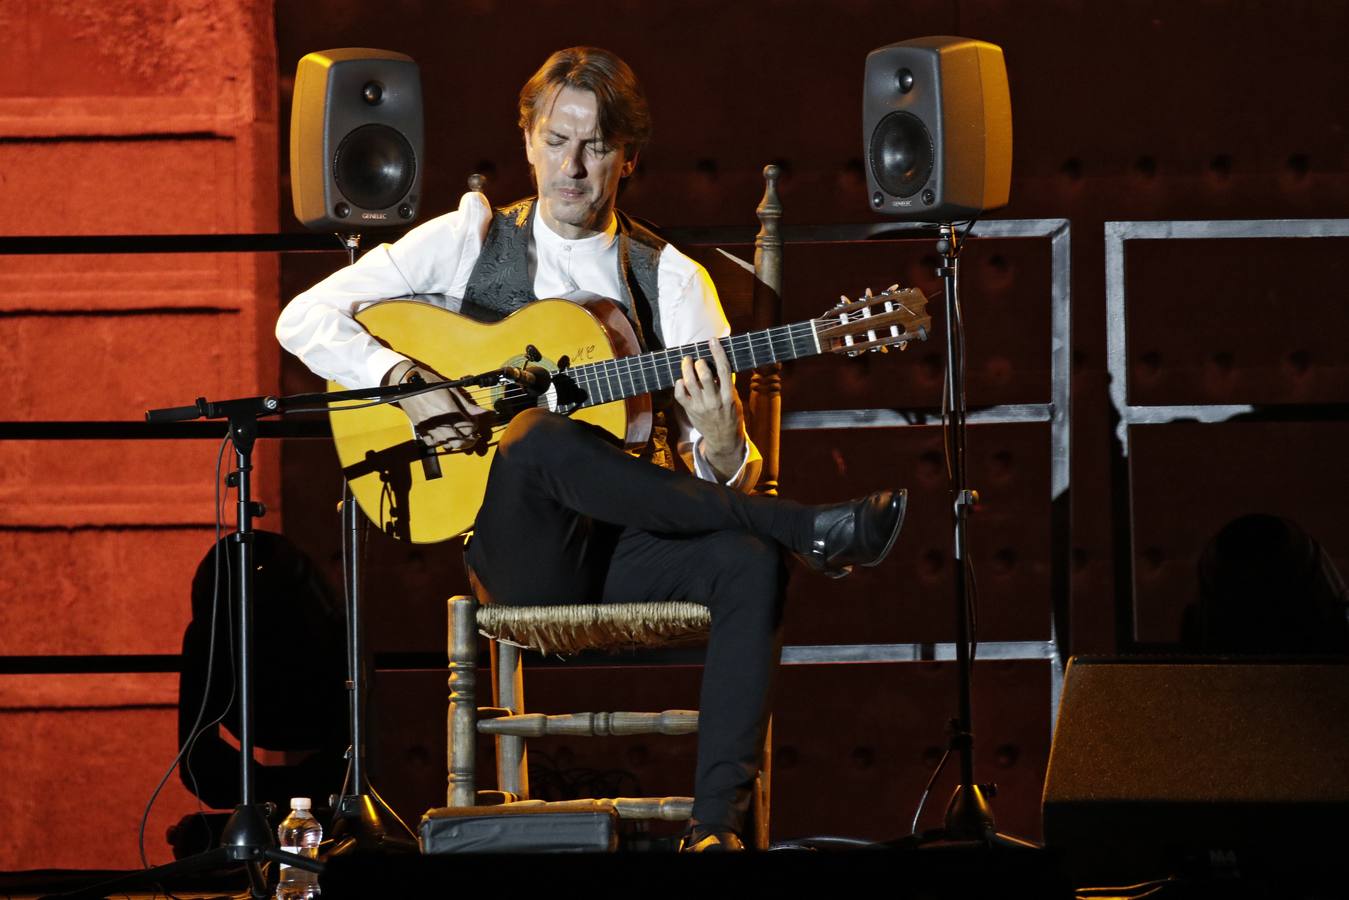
901,154
374,166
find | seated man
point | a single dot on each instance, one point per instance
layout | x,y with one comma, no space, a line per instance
568,517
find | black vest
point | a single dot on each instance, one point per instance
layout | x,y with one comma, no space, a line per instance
501,283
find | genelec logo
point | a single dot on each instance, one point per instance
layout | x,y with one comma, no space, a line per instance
374,215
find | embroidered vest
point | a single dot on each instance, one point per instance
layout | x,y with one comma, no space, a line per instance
501,283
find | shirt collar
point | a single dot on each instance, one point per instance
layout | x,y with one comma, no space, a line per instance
596,243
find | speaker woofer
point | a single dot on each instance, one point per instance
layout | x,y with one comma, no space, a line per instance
374,166
902,154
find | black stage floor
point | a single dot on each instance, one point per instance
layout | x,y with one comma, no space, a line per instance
937,873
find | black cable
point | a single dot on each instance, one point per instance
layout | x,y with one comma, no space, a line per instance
970,599
362,545
397,818
1111,891
969,226
210,662
346,605
922,801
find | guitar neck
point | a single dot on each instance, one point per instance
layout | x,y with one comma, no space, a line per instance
646,373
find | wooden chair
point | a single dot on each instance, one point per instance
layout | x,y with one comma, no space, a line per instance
571,629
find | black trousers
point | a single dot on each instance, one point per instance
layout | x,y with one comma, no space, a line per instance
568,517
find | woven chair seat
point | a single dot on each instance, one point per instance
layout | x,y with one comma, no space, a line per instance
591,626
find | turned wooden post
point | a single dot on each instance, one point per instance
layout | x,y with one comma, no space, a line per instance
508,692
763,791
463,717
765,385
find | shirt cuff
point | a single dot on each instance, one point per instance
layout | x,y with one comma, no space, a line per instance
703,469
379,363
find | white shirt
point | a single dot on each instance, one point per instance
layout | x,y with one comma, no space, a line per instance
437,258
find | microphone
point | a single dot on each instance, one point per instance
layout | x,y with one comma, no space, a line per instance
534,379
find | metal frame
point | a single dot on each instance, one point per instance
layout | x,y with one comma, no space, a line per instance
1117,234
1056,413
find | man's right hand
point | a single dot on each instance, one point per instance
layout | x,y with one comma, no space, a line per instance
447,417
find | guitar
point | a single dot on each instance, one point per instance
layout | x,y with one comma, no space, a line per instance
598,373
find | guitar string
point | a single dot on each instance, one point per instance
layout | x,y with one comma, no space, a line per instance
606,372
771,341
618,378
612,374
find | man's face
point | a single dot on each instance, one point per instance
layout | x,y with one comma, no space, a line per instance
577,172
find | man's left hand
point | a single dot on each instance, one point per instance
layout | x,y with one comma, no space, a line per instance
708,396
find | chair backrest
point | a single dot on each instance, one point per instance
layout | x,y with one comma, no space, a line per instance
764,416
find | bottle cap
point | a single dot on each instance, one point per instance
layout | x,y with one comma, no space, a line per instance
300,803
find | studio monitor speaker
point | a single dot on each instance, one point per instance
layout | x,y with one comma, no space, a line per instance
356,140
1161,764
937,129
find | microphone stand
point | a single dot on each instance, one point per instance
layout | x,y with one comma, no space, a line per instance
969,818
361,818
247,839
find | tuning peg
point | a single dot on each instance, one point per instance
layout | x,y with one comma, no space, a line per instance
843,300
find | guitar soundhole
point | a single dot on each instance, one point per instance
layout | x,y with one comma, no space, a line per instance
563,395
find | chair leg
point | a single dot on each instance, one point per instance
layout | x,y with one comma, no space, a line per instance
762,791
463,713
508,692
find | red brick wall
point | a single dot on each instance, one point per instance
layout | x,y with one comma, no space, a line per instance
119,118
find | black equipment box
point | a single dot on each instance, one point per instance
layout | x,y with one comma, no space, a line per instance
582,827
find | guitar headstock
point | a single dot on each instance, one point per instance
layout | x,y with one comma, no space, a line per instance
891,318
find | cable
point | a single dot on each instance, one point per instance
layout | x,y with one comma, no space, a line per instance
1110,893
397,818
346,605
210,662
922,801
1107,891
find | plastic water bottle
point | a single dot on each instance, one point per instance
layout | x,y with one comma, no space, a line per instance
300,833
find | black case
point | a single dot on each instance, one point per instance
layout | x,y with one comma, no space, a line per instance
520,828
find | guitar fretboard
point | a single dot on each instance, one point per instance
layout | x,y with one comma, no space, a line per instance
645,373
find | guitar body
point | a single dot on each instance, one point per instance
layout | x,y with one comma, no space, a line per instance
601,375
435,509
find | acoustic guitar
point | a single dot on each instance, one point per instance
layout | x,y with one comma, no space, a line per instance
596,372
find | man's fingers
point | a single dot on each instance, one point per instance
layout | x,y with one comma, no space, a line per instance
692,377
719,357
723,369
707,379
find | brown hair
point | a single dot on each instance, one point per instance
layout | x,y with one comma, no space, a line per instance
624,118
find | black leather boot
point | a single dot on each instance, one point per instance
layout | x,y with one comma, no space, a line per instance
857,533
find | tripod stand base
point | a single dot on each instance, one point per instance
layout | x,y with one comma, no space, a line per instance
247,841
365,823
969,824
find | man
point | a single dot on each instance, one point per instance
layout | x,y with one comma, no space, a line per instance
567,516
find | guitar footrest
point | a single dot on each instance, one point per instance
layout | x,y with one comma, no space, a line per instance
520,828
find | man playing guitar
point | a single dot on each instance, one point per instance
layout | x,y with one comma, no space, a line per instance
593,522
